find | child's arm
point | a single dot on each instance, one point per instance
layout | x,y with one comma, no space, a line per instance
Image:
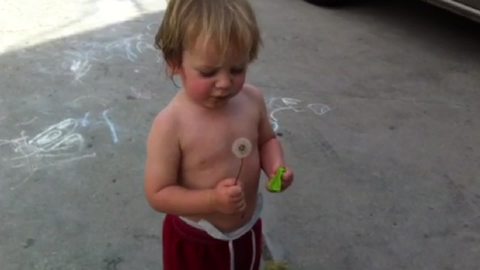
272,160
161,178
271,153
161,173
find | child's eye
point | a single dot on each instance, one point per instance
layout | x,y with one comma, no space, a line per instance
208,74
236,71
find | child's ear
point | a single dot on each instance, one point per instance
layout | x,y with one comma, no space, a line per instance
174,68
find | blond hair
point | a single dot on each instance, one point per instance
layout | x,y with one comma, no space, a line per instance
229,24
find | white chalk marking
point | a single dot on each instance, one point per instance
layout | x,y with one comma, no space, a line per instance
85,121
75,102
292,104
111,126
139,94
23,182
319,108
91,155
80,68
131,47
27,122
288,104
152,26
55,144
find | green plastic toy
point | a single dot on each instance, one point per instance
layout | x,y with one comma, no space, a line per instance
275,183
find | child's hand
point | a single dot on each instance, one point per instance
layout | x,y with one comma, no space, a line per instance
229,197
287,180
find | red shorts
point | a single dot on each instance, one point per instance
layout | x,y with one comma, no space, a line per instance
188,248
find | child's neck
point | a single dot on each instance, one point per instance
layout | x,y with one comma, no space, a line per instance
202,108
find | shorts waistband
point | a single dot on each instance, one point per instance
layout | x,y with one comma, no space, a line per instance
214,232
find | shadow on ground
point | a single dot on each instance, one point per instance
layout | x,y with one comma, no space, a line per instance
74,113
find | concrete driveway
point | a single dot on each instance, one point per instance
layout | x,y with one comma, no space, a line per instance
377,105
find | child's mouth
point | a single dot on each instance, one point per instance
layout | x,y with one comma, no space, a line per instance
221,99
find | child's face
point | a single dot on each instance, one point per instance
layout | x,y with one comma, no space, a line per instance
209,81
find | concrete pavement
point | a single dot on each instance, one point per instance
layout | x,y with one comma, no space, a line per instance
376,104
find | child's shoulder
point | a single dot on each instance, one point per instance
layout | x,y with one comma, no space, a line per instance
253,92
167,118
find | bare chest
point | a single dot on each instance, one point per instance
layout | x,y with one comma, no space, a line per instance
206,143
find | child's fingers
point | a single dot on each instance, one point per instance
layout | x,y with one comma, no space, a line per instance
286,184
288,174
235,193
237,198
287,179
241,204
228,182
267,185
242,207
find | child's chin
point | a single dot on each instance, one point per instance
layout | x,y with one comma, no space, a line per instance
216,103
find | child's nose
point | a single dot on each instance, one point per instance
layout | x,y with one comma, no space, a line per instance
224,81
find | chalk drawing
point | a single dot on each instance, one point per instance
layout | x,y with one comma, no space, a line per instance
277,104
97,117
27,122
137,93
129,48
143,94
59,140
80,68
78,101
84,120
82,56
111,126
318,108
78,63
87,121
152,27
58,143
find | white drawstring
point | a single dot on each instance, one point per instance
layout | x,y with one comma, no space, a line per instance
232,255
254,250
232,252
232,236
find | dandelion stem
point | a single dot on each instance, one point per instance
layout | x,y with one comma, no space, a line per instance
239,170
